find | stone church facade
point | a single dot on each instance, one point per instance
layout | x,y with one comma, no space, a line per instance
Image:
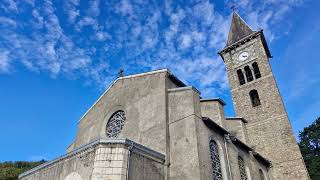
152,126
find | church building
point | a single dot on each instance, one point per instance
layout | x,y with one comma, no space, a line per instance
152,126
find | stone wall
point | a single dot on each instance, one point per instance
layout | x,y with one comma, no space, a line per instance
268,127
110,163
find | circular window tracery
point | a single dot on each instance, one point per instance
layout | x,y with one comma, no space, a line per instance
115,124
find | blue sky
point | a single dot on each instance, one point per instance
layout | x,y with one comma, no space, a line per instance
57,57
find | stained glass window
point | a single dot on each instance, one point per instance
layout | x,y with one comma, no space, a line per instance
215,161
115,124
242,168
261,174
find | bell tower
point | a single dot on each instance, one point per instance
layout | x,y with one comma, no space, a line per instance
256,98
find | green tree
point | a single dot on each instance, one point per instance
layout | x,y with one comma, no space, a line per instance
11,170
310,148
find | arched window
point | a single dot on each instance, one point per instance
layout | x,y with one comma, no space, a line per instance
248,73
256,70
242,168
261,174
254,96
115,124
241,77
215,160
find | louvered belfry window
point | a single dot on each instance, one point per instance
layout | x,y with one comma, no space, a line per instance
115,124
241,77
215,161
242,168
248,72
256,70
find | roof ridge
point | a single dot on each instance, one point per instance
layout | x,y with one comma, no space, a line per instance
119,78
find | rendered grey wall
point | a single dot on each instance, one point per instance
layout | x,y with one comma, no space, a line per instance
213,109
251,164
143,100
237,128
143,168
184,111
204,135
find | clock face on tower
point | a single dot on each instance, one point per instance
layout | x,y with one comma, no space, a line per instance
243,56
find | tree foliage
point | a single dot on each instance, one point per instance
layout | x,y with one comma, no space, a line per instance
310,148
11,170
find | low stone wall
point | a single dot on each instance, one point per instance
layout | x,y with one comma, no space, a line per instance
104,159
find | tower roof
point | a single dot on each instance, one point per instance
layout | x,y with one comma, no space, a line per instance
238,29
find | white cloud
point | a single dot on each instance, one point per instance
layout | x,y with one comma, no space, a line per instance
4,61
94,9
185,41
30,2
48,49
175,19
79,63
10,5
125,7
71,9
136,30
198,36
102,36
7,22
205,12
267,14
87,21
136,35
39,21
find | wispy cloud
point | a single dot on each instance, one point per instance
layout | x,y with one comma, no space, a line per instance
124,7
265,14
98,37
71,8
4,61
9,5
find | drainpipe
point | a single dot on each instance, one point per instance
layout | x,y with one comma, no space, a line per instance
128,160
227,138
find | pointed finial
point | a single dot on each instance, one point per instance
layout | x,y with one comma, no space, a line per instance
233,7
120,73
